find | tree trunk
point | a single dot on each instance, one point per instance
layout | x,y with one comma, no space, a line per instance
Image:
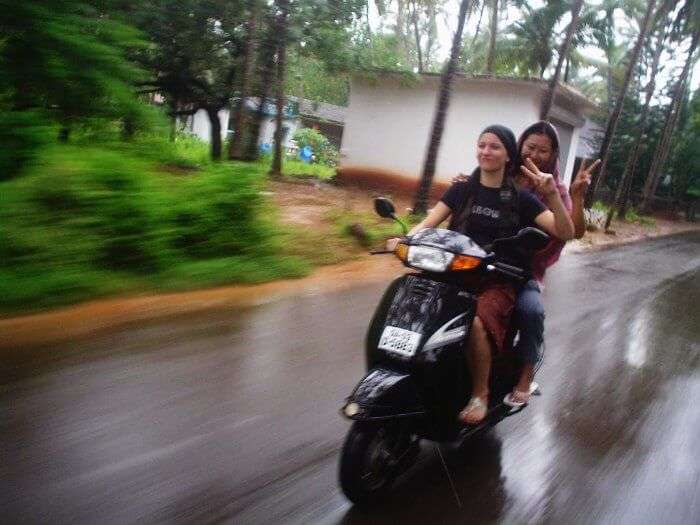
266,77
215,124
401,27
491,57
420,205
417,36
63,134
627,181
663,146
240,125
615,116
478,24
563,53
283,6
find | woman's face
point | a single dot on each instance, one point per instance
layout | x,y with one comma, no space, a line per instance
538,148
491,154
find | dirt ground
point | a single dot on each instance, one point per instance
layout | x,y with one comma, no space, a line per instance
309,203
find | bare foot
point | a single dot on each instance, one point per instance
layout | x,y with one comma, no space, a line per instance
474,412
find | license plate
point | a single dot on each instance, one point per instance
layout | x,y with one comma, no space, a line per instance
400,341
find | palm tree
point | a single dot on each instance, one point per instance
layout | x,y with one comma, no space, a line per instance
688,21
267,70
240,122
664,144
563,53
493,28
615,116
625,185
420,205
281,29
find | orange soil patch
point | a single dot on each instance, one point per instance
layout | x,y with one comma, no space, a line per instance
385,181
88,318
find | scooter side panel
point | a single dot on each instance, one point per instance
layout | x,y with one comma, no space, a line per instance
384,393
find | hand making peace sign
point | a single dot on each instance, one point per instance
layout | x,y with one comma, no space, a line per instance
583,179
541,182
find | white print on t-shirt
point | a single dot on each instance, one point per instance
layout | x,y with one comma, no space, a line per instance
488,212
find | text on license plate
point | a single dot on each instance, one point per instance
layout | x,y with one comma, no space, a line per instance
398,340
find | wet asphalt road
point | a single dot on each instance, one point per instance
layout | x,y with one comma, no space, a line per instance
233,416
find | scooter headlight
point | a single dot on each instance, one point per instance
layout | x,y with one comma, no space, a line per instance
429,259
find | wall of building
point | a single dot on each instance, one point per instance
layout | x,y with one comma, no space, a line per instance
388,125
199,125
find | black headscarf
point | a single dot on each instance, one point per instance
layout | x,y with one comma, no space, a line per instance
506,136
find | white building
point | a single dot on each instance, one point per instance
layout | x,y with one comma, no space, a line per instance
298,113
388,122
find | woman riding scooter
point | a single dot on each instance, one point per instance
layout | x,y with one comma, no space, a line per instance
540,143
487,207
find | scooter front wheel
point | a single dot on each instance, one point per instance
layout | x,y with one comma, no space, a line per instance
370,460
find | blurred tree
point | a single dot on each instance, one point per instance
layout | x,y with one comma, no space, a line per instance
493,30
624,187
687,23
282,21
420,205
318,29
237,143
195,56
68,57
615,115
548,98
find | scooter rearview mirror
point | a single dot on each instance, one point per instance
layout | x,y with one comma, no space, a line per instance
384,208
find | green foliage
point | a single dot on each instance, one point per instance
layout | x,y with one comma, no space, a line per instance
69,57
22,133
91,220
308,77
324,151
631,215
304,170
685,164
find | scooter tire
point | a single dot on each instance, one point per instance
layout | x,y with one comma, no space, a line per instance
360,484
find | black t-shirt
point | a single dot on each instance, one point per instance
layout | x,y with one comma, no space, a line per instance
483,225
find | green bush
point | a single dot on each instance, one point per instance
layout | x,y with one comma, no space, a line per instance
324,151
22,134
85,221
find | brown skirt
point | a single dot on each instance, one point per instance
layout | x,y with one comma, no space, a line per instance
495,307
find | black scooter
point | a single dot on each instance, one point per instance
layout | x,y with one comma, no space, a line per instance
417,379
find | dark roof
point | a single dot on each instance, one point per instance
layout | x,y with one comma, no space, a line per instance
320,110
306,108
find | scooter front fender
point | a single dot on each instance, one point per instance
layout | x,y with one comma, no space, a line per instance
384,394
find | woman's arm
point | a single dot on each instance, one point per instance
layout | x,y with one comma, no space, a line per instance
438,214
555,221
578,193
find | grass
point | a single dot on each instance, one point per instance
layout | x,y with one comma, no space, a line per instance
103,217
644,220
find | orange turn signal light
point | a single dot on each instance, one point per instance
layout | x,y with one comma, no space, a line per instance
464,262
401,251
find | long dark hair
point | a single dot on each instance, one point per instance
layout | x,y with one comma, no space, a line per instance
545,128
